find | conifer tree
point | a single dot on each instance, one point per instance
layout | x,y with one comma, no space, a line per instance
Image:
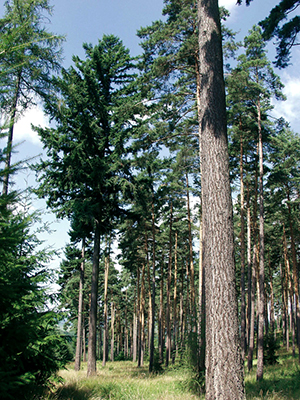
28,56
87,168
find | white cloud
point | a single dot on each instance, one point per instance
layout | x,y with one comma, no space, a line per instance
289,109
228,4
23,129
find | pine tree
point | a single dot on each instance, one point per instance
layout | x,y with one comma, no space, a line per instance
223,379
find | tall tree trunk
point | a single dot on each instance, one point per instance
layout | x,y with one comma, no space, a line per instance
283,308
252,310
224,377
201,306
151,358
142,320
243,296
149,290
11,134
261,304
169,277
105,330
126,341
161,329
80,310
84,342
175,322
91,364
112,330
249,305
295,272
272,308
289,289
191,263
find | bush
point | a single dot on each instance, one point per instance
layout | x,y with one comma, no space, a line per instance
271,346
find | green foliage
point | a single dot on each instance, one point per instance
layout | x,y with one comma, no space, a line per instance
271,346
31,347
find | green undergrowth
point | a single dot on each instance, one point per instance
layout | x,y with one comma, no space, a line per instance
281,381
123,380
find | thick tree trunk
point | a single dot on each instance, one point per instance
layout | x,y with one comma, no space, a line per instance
105,330
91,365
80,311
201,306
224,369
261,303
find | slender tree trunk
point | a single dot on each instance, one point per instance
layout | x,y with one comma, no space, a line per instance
243,296
112,330
295,273
249,305
224,377
91,365
175,322
84,343
151,358
105,330
11,134
272,308
252,310
169,277
289,289
261,305
134,332
161,329
80,311
286,306
283,308
149,290
191,263
142,320
126,341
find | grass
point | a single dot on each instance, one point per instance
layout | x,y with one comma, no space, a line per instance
124,381
281,381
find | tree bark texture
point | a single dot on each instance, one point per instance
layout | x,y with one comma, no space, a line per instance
261,278
224,369
80,311
91,364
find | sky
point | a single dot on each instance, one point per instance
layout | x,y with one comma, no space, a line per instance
85,21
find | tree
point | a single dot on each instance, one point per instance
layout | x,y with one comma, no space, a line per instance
286,33
224,377
31,346
88,166
29,53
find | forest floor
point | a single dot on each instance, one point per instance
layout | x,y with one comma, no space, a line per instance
122,380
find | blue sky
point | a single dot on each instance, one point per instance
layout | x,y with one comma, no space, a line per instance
87,20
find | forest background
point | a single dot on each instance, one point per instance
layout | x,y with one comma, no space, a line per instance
86,22
183,155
